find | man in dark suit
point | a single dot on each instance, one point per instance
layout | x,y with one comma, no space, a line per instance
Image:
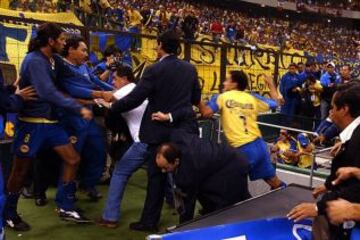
345,113
214,174
169,85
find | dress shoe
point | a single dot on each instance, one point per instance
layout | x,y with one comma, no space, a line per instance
139,226
106,223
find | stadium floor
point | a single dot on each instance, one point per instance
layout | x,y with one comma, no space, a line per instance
46,225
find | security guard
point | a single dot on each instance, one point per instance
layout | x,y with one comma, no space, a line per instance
214,174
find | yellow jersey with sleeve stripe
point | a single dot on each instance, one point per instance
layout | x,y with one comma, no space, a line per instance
306,158
239,111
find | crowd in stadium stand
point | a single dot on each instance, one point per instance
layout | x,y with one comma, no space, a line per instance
343,4
307,90
195,18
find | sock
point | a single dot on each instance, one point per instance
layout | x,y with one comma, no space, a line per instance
10,211
65,196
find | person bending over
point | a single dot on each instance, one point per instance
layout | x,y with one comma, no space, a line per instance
214,174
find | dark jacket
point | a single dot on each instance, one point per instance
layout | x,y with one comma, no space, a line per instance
37,71
349,156
169,85
215,174
8,102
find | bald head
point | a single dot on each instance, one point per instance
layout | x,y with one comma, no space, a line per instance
168,157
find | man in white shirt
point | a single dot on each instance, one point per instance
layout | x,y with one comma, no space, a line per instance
345,113
133,158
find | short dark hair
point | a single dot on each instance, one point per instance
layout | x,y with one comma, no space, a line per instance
292,65
311,78
125,71
240,78
170,42
347,65
348,94
72,42
43,34
111,50
170,151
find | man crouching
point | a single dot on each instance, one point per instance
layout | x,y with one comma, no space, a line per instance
214,174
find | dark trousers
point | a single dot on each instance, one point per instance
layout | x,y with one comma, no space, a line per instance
5,159
155,190
220,190
47,167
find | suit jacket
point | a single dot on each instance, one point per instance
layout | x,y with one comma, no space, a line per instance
203,158
210,172
349,156
169,85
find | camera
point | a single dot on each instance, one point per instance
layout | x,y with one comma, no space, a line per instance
118,61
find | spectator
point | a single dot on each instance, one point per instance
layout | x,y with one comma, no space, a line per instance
345,73
274,31
304,151
190,25
315,89
240,34
147,15
329,81
290,91
63,5
284,150
231,32
326,131
104,6
314,69
303,75
163,18
174,20
112,58
216,30
300,67
134,26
